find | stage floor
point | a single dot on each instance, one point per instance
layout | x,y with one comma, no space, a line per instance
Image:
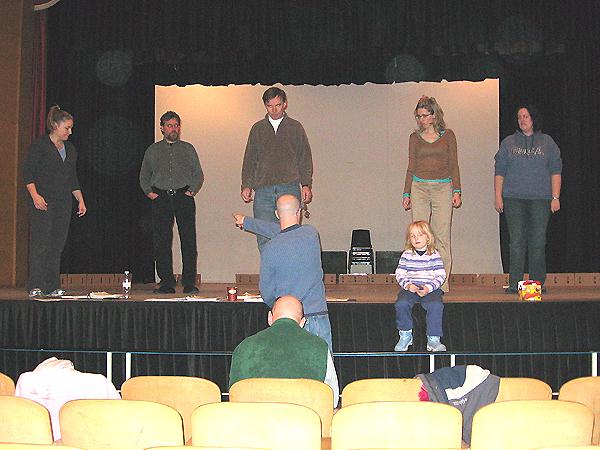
372,293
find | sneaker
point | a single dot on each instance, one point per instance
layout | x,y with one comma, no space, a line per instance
434,344
56,293
406,340
190,290
36,292
164,290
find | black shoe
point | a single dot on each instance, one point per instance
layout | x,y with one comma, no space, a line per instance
164,290
510,290
190,290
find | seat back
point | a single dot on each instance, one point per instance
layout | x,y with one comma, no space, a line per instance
313,394
276,426
381,390
523,389
184,394
527,424
11,446
578,447
585,390
192,447
24,421
119,424
7,385
396,424
360,258
361,239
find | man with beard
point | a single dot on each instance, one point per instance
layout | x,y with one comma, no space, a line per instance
170,176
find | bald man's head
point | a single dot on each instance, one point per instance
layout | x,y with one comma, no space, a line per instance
287,206
287,307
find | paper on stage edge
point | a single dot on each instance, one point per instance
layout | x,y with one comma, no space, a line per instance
184,299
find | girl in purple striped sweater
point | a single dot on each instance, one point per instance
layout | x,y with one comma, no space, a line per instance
420,274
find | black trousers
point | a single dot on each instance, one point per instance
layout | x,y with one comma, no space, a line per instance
182,208
48,232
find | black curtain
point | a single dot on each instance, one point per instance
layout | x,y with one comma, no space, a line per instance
104,59
82,330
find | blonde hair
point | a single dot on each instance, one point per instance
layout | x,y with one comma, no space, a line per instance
420,226
431,105
55,117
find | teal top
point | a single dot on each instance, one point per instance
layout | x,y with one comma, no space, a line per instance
435,161
422,180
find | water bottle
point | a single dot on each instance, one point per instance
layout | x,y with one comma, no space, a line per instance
126,284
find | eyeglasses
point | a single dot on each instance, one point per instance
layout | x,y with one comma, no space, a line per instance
422,116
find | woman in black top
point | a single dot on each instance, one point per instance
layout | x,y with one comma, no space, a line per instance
51,178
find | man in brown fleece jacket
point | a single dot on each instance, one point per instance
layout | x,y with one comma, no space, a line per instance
277,161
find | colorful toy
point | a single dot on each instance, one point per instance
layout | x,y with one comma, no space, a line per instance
530,291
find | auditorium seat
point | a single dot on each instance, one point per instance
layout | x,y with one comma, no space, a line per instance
407,389
276,426
193,447
585,390
119,424
7,385
24,421
381,390
10,446
523,389
184,394
55,381
313,394
577,447
396,425
528,424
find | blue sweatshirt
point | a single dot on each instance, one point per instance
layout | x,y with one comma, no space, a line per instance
290,264
527,164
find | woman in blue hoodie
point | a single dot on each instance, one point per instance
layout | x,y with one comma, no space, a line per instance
527,189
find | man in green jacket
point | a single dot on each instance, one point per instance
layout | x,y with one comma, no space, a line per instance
284,350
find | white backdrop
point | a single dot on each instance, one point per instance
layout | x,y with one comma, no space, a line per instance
359,139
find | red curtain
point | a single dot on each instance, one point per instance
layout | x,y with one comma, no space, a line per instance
39,74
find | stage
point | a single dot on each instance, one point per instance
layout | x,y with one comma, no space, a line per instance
553,340
361,293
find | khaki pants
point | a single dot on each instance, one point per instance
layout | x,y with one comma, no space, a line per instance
432,202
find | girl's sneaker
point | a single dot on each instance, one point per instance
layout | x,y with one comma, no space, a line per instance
434,344
404,342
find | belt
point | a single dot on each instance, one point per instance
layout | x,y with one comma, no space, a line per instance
320,313
170,191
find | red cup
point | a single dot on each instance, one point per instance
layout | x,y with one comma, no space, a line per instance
232,294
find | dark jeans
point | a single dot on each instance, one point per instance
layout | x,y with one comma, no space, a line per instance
48,232
166,208
431,303
265,202
527,222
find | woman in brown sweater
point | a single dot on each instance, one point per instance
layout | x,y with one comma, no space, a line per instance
432,186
